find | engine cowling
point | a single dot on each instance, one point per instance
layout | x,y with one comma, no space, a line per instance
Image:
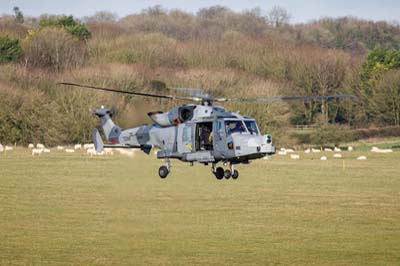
173,117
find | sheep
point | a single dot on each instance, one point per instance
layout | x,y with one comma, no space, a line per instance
323,158
377,150
46,150
40,146
1,148
337,155
295,156
60,148
350,148
36,151
78,147
362,158
108,151
308,150
91,152
282,152
69,150
31,146
8,148
336,149
315,150
88,146
328,149
289,150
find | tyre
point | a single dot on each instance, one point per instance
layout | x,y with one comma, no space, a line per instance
227,174
235,174
219,173
163,172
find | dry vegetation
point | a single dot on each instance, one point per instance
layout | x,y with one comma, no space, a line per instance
246,54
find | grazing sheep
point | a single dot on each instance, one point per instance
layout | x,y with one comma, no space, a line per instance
336,149
295,156
69,150
350,148
88,146
323,158
60,148
31,146
46,150
315,150
362,158
337,155
108,151
377,150
308,150
8,148
1,148
36,151
91,152
289,150
78,147
282,152
328,149
40,146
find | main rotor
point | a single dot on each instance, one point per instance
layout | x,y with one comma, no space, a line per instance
200,97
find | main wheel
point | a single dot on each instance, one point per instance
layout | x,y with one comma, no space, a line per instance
163,171
227,174
235,174
219,173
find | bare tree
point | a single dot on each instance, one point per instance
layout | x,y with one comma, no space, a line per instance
278,16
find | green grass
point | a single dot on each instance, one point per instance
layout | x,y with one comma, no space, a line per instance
68,209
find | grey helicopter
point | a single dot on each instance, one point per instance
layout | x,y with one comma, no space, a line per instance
198,132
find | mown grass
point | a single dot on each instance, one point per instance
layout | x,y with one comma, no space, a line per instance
68,209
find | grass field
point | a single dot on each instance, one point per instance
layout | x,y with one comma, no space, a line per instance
68,209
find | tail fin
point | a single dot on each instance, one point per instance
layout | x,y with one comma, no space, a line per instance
98,142
111,131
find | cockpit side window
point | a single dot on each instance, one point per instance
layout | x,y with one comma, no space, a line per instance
234,126
251,126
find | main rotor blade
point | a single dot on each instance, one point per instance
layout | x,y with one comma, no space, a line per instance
172,97
285,98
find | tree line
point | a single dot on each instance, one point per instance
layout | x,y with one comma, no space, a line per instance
248,54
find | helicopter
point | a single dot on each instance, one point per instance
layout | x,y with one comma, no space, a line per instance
198,132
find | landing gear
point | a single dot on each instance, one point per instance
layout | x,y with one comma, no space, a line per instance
220,173
164,170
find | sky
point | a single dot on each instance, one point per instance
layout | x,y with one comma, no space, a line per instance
301,10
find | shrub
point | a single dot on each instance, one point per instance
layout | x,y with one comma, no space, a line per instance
69,24
54,49
10,49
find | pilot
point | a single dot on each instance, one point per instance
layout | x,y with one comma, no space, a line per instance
206,137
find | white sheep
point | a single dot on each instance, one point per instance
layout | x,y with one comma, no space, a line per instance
323,158
337,155
308,150
88,146
362,158
60,148
289,150
91,152
316,150
282,152
31,146
108,151
328,149
46,150
40,146
295,156
1,148
36,151
8,148
69,150
377,150
336,149
78,147
350,148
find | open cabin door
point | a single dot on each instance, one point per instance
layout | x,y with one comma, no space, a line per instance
185,137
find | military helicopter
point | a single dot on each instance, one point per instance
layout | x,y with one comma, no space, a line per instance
198,132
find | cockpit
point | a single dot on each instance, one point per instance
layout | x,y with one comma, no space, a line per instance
240,126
